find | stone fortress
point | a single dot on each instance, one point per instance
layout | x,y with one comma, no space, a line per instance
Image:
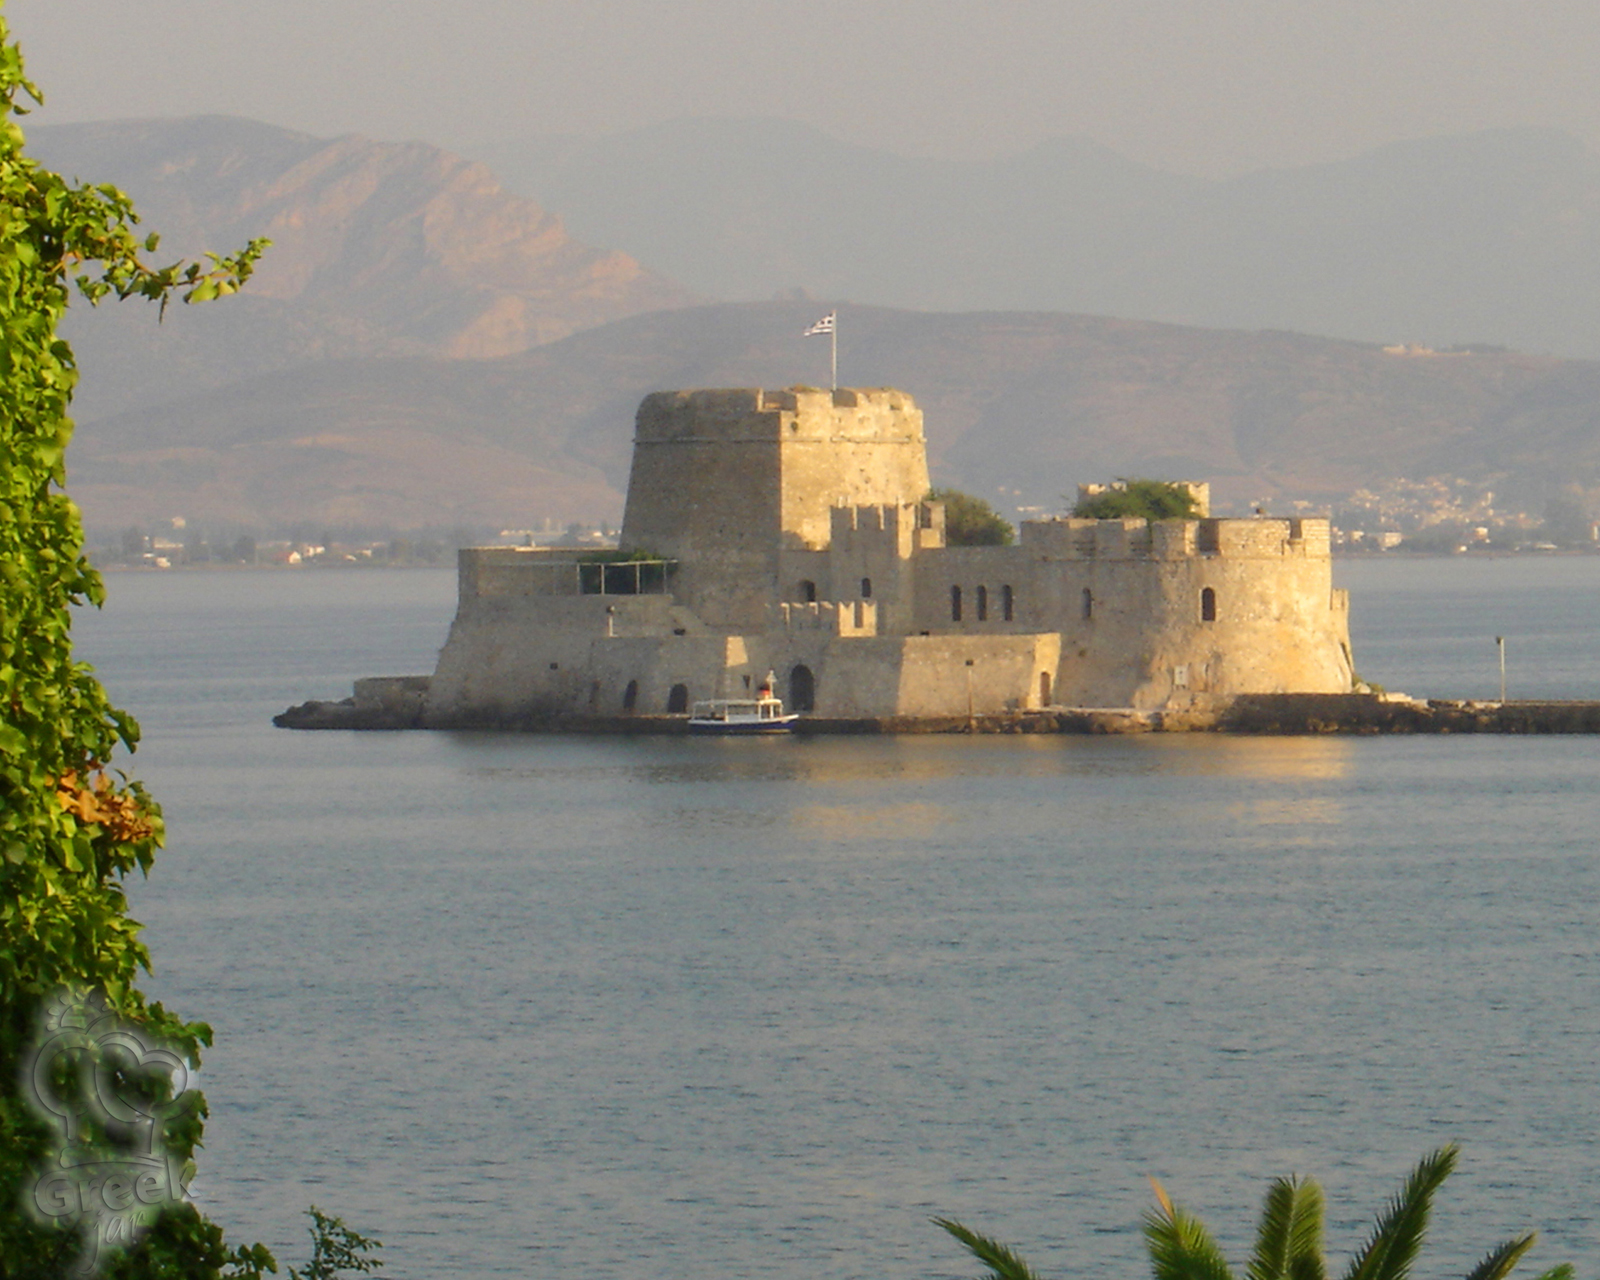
788,531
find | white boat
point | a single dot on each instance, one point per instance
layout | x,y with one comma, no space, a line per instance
741,716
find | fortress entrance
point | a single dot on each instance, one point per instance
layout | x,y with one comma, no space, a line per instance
802,689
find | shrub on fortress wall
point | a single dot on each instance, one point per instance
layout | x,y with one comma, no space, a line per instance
970,521
1147,499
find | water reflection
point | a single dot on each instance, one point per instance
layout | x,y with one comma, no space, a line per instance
676,761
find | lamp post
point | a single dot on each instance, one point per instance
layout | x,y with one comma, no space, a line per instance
1500,643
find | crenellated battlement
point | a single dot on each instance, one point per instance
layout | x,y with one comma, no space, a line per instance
749,414
831,617
901,528
1074,538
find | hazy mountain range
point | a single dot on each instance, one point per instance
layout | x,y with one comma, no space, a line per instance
1019,407
378,249
1488,238
422,347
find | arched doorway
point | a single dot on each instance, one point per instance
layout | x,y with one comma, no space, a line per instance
808,591
1044,688
678,700
802,689
630,696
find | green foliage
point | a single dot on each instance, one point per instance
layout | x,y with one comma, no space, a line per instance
1143,499
71,826
970,521
336,1249
1288,1237
1003,1264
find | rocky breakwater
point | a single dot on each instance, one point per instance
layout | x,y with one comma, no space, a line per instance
378,702
400,702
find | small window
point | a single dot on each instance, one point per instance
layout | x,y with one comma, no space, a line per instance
1088,604
1007,603
1208,605
678,700
983,604
630,696
808,591
955,604
866,588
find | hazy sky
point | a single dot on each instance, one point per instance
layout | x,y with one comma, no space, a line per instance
1208,86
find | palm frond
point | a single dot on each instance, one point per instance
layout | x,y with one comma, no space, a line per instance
1502,1261
1398,1235
1563,1272
1003,1264
1289,1237
1180,1246
1307,1267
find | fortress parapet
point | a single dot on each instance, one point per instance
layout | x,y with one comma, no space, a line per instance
835,618
901,529
508,572
1129,538
750,415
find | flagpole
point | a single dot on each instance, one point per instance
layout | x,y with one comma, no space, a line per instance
829,324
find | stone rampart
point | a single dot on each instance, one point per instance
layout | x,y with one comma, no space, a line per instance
1073,538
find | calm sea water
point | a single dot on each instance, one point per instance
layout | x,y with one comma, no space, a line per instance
529,1006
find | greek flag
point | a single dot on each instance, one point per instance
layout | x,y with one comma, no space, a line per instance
824,325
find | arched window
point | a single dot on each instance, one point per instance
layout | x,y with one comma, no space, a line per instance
630,696
983,604
866,588
1044,688
1088,604
1208,605
808,591
1007,603
678,700
802,689
955,604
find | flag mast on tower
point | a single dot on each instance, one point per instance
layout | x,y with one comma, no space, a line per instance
829,324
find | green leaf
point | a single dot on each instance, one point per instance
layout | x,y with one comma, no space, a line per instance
1398,1235
1003,1264
1500,1261
1289,1237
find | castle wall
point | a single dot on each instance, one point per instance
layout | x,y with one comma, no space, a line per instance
1127,600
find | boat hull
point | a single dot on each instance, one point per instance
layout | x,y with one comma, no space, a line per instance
742,729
